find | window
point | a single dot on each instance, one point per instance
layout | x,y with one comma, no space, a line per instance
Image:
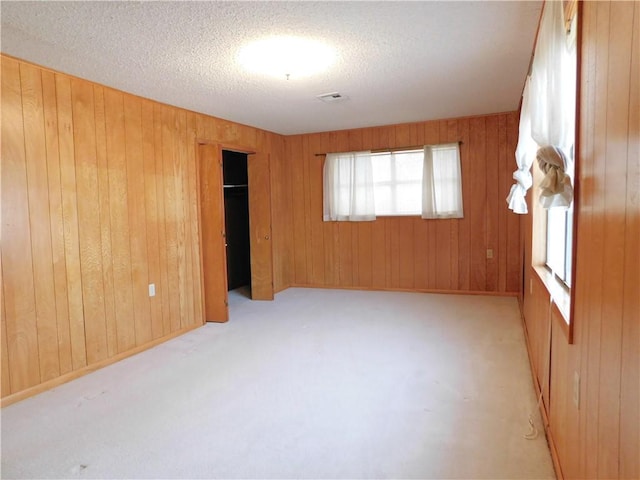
547,141
559,240
362,185
559,221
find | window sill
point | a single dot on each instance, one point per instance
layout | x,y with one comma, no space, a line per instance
559,293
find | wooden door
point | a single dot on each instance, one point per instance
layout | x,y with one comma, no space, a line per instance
214,262
260,226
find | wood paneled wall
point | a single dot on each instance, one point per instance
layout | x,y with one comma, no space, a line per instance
600,438
99,199
408,252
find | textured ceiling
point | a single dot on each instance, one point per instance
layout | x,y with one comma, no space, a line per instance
397,61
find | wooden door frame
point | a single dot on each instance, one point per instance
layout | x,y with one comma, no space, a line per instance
199,142
220,147
200,249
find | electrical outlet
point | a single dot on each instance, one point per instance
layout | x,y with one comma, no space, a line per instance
576,389
489,253
152,289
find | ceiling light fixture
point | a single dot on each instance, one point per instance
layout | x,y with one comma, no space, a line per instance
287,57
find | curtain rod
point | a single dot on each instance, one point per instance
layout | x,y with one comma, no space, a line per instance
397,149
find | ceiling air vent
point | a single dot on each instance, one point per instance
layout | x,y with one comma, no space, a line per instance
332,97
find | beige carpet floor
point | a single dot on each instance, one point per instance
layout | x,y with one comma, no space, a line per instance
317,384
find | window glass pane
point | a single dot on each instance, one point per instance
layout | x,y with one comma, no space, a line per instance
568,245
408,167
381,165
556,230
409,199
383,199
397,179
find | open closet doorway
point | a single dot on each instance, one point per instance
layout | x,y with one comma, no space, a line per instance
236,219
216,276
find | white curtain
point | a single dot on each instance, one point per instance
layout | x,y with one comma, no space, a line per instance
549,97
553,82
525,155
348,187
441,182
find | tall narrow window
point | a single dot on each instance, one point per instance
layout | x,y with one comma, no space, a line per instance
559,222
547,136
559,240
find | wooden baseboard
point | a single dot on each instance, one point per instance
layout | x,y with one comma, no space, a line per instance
543,411
67,377
281,288
414,290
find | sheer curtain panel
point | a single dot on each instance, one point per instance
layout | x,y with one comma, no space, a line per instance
441,182
553,100
548,105
553,82
348,187
525,154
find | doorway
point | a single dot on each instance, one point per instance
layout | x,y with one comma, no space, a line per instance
236,219
213,231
